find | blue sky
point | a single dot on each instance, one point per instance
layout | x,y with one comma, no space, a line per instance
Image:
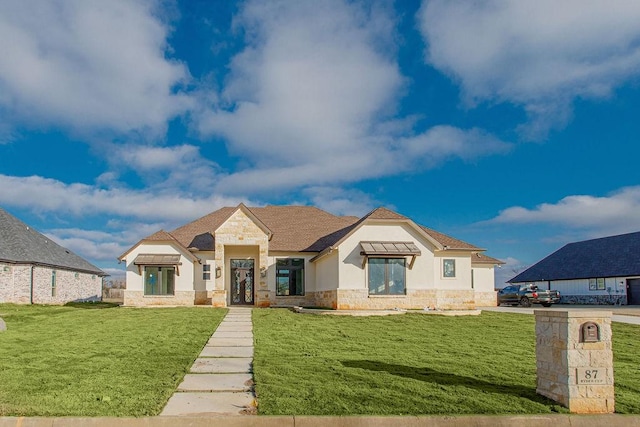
511,125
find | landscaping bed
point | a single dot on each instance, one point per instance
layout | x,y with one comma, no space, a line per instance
412,364
101,361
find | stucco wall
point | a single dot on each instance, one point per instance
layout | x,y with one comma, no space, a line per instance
483,278
206,258
353,276
15,285
135,274
183,282
327,273
462,280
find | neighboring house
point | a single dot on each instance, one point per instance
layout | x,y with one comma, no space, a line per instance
301,255
36,270
598,271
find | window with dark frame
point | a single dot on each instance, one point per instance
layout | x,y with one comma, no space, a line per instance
289,277
206,272
449,268
387,276
159,280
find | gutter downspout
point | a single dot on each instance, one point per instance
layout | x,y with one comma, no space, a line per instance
31,287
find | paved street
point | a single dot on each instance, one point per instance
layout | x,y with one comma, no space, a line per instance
622,314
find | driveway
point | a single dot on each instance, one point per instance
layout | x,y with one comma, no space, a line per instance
624,314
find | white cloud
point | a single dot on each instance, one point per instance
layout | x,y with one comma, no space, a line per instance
179,167
89,65
50,195
612,214
312,100
101,245
443,142
511,268
540,54
341,201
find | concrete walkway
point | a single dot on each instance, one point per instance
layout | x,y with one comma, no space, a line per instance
220,381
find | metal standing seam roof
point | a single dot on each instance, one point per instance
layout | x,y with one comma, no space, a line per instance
19,243
157,259
389,248
614,256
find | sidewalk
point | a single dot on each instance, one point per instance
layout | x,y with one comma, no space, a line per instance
220,381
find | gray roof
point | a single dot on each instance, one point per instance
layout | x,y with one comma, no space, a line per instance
615,256
20,243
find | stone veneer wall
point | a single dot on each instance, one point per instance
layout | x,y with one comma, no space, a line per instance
620,299
328,299
218,298
359,299
240,230
202,298
138,299
300,300
486,299
561,353
15,285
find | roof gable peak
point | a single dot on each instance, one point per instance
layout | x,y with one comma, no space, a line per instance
384,213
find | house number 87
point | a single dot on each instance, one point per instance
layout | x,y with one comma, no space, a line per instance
591,374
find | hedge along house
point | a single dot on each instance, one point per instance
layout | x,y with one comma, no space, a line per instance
36,270
597,271
301,255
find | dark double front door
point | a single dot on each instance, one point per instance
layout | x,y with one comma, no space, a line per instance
242,282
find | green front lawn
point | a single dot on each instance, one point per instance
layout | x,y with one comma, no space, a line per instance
412,364
105,361
70,361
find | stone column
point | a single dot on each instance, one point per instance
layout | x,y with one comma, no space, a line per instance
575,359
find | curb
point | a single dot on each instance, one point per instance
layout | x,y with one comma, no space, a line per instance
557,420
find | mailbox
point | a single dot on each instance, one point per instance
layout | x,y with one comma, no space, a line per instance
590,332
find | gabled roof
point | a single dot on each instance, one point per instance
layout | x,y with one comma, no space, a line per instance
298,228
449,242
327,243
615,256
479,258
161,236
20,243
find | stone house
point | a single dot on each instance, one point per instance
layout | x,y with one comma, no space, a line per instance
596,271
304,256
36,270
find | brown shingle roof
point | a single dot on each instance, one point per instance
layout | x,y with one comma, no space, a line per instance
449,241
293,228
194,234
160,236
383,213
485,259
299,228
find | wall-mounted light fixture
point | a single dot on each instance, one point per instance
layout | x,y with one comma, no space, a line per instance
218,272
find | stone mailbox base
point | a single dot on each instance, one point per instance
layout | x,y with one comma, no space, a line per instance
574,362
